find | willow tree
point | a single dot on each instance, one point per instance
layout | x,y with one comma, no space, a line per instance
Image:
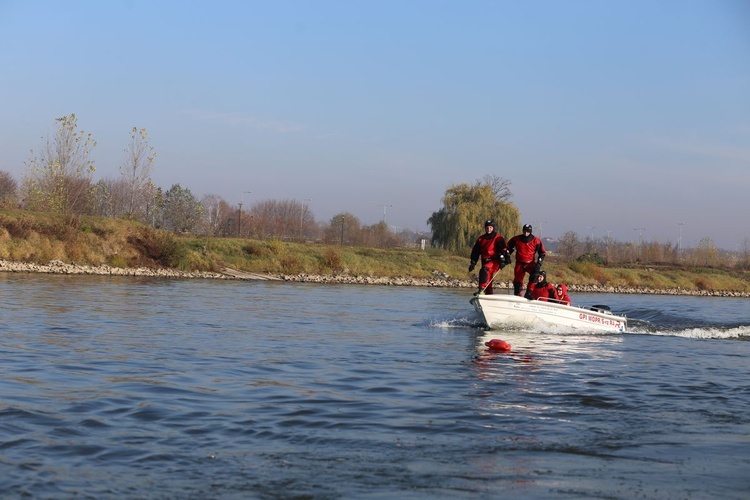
58,179
465,208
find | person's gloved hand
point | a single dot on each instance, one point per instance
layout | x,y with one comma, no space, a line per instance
471,266
538,266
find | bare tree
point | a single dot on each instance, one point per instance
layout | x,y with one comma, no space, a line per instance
590,245
59,178
218,216
744,257
568,246
500,186
380,236
344,228
109,198
706,254
136,173
284,219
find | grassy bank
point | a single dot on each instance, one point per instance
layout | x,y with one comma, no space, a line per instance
42,237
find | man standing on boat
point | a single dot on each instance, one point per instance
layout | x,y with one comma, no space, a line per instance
530,253
490,247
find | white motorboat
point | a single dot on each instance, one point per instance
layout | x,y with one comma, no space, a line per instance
510,311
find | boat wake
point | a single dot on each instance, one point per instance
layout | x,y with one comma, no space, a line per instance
672,327
690,324
471,320
697,320
739,332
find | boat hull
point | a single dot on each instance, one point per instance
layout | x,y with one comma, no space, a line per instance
507,311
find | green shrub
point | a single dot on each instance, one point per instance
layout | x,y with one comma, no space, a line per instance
593,258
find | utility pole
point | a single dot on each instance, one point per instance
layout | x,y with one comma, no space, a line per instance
385,207
679,239
640,234
540,228
239,220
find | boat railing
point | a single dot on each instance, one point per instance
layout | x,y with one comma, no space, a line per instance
553,301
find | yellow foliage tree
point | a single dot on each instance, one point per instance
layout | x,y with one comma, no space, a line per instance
59,178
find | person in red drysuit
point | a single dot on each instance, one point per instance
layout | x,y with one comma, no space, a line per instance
541,290
527,247
562,294
491,249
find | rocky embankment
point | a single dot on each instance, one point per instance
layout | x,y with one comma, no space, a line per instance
438,280
448,282
58,267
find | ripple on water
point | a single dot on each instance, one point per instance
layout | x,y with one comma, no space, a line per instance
236,390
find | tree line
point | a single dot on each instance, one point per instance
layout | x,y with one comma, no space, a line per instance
59,178
608,251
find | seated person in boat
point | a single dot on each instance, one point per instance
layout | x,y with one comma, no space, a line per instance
562,294
541,290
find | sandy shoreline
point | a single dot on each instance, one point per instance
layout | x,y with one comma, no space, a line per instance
58,267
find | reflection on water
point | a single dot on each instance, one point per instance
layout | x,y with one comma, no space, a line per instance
122,387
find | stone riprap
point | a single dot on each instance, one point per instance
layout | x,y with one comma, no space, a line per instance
58,267
500,287
438,280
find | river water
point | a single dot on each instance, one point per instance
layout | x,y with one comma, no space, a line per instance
146,388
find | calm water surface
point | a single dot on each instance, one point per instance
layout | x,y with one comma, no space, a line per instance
138,388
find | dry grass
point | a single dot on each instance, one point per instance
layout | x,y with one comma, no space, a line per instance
42,237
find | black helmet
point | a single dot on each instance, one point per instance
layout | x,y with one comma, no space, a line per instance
489,223
527,227
543,274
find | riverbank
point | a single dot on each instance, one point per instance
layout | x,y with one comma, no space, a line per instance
59,267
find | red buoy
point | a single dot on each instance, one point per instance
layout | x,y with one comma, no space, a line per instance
498,345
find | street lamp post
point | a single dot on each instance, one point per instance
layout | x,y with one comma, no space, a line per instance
239,215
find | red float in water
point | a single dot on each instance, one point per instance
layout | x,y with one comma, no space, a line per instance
498,345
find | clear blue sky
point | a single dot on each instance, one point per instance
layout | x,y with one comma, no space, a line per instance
606,116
